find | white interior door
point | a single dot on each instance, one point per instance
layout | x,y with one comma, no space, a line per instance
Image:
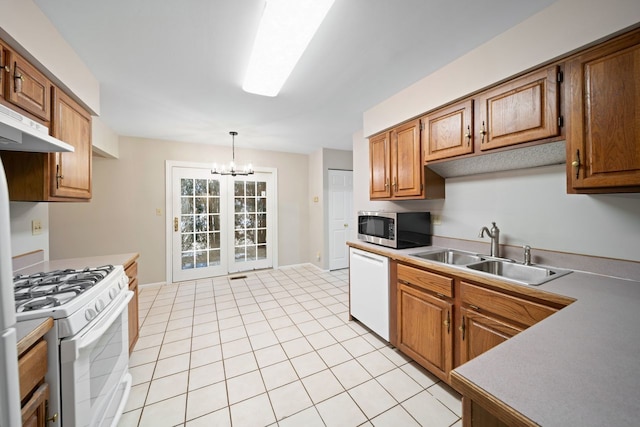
341,221
199,244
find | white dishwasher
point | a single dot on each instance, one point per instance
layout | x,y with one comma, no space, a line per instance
369,290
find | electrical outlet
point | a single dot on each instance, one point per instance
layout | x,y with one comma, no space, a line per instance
436,219
36,227
158,212
318,255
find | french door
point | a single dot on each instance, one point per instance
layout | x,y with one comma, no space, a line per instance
220,224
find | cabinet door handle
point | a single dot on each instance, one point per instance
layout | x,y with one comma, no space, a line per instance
462,328
468,135
447,322
7,68
175,223
58,176
483,132
576,164
386,184
395,184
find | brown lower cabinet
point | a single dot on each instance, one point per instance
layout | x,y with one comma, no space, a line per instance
480,333
131,270
425,319
443,320
32,368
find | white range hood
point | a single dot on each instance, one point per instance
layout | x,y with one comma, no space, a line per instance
20,133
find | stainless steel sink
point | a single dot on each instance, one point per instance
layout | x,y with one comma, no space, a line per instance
526,274
450,256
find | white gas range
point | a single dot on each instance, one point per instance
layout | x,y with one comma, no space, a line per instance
88,346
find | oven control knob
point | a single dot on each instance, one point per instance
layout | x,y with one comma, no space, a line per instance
90,314
99,305
112,293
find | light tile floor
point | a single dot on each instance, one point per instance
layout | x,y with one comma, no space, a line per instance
273,349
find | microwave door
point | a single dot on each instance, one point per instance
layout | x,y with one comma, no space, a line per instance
9,387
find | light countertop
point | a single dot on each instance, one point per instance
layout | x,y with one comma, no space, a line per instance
578,367
94,261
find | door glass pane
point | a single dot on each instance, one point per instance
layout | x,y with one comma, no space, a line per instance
262,251
238,188
250,228
199,222
186,187
187,205
250,188
214,258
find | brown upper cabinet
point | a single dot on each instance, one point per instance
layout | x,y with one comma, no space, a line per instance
396,170
72,124
406,160
524,109
45,177
26,87
50,177
603,136
521,110
4,67
379,166
448,132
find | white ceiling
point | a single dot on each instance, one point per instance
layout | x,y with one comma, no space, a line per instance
173,70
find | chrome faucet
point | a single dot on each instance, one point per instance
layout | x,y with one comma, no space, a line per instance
527,255
494,234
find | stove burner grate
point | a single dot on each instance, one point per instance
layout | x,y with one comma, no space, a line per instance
54,288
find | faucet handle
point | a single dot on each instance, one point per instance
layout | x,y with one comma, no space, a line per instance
527,255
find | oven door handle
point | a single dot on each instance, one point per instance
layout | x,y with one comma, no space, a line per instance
70,351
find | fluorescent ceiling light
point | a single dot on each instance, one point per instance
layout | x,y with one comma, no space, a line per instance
286,28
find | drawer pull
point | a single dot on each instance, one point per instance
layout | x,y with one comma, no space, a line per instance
474,307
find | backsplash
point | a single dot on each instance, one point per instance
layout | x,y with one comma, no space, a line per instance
530,206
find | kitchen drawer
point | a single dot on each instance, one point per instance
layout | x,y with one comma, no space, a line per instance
509,307
32,368
436,283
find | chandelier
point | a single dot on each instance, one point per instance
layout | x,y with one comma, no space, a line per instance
231,168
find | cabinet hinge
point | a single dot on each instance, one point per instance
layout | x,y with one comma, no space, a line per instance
421,126
560,121
421,187
560,77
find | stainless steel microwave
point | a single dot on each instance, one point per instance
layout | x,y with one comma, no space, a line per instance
397,230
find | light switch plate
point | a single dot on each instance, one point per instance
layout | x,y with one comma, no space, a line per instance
36,227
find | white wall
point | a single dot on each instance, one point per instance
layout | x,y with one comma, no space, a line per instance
104,140
319,164
121,216
316,208
23,22
562,27
22,240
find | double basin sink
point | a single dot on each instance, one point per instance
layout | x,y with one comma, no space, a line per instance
533,275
